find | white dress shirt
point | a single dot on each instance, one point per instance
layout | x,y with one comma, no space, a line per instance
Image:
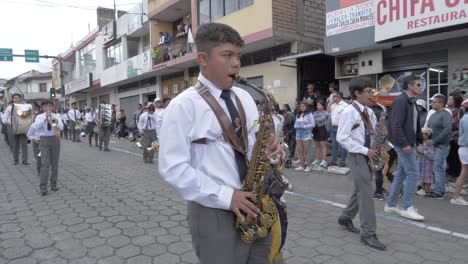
74,115
65,117
7,115
353,140
89,116
159,121
39,126
147,121
336,110
204,173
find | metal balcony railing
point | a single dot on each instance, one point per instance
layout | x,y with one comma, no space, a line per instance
174,48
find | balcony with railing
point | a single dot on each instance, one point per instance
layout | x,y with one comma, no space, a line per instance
171,48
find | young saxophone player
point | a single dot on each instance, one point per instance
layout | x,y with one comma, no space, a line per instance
147,125
47,127
197,161
357,125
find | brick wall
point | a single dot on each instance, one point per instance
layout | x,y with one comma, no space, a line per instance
314,18
285,15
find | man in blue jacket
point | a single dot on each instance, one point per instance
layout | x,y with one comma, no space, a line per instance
404,133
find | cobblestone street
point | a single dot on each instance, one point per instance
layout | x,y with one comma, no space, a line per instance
111,208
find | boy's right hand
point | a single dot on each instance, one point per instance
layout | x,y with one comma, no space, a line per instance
373,154
242,201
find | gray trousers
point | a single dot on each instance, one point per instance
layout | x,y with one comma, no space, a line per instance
11,141
20,141
150,136
74,133
361,200
104,136
215,241
91,134
36,152
50,152
64,132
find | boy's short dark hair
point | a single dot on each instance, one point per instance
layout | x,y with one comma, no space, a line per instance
339,94
151,108
212,34
46,102
441,98
358,84
410,80
17,94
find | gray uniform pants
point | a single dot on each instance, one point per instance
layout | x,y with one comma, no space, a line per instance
64,132
74,133
215,241
91,134
50,152
20,141
104,136
361,200
36,152
150,136
10,137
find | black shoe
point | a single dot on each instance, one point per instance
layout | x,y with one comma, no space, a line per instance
333,163
342,164
145,161
107,149
44,192
379,196
100,148
150,161
25,163
54,189
373,242
348,224
16,162
435,195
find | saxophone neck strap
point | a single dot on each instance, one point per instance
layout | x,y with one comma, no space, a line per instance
365,119
229,134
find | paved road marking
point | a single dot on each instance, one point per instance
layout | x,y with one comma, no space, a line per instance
384,216
126,151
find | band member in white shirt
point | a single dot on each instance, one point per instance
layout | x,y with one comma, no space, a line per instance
49,145
204,168
35,139
19,140
75,116
147,125
90,119
355,131
160,118
65,121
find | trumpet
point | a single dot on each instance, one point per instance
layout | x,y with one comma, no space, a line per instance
139,138
53,121
154,146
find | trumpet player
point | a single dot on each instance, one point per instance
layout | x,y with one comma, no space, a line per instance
75,116
147,125
31,135
47,127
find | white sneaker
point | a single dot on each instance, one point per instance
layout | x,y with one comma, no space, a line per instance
307,169
299,168
295,162
459,201
391,210
412,214
421,192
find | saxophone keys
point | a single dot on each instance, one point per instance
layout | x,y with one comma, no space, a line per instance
261,232
266,220
269,207
248,236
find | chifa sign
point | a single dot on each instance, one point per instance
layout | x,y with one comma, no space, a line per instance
395,18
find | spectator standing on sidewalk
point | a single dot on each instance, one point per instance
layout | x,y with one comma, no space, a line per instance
463,154
303,125
320,135
425,162
335,108
453,162
357,124
404,133
441,124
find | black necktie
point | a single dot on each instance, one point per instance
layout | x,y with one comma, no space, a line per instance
49,127
240,157
367,132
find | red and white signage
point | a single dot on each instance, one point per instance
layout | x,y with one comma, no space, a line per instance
395,18
360,15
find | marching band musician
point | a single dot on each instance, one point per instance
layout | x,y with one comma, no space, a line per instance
49,145
75,116
90,118
20,139
147,125
65,120
357,125
204,168
104,130
35,142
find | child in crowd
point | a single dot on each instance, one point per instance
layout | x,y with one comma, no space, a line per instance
425,160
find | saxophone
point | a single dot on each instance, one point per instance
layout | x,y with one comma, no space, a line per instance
379,140
264,177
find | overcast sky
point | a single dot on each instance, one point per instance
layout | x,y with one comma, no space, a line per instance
49,26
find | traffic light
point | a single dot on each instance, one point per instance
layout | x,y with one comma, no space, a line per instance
52,93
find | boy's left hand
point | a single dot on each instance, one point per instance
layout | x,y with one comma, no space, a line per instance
274,147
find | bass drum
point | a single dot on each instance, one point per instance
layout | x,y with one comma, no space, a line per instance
21,118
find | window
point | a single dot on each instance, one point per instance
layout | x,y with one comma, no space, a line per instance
88,58
114,55
43,87
213,9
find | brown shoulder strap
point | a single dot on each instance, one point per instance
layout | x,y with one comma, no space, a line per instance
366,120
229,133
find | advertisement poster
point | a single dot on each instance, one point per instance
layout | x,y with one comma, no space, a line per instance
390,84
396,18
460,79
350,18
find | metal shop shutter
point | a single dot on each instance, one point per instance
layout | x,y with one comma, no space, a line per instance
129,104
393,61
